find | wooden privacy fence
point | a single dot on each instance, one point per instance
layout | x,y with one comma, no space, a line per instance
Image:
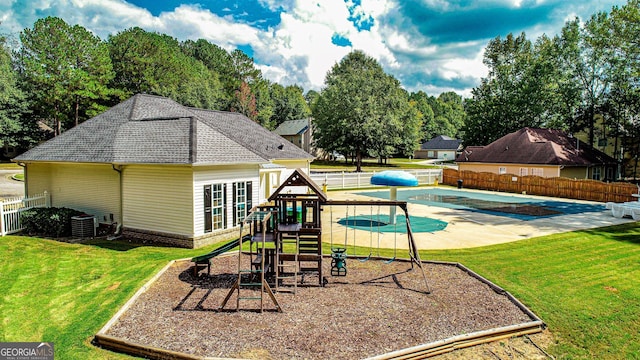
10,210
592,190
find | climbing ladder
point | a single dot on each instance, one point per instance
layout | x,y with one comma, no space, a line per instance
252,278
287,260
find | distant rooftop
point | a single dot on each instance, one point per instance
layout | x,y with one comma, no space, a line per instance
536,146
292,127
441,142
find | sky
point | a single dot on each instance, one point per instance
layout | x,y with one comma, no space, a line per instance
429,45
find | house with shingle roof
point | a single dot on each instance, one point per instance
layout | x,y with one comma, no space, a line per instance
541,152
298,132
165,172
440,147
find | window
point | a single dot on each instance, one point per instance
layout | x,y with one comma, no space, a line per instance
502,170
215,200
537,171
597,173
610,176
241,200
524,172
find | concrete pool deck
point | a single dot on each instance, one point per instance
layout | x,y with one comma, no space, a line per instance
465,229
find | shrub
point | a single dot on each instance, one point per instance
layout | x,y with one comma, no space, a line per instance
52,222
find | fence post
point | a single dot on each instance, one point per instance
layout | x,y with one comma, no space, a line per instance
47,199
2,229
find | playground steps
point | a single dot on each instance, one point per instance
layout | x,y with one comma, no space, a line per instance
251,284
287,263
310,253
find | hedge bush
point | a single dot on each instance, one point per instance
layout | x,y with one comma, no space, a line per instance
51,222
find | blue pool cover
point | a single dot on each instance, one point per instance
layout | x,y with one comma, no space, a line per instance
517,207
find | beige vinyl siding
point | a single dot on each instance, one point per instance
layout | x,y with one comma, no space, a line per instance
158,198
574,172
446,155
37,178
515,169
91,188
221,175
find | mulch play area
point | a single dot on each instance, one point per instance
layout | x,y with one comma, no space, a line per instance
376,309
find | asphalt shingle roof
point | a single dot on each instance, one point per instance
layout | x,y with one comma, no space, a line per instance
292,127
536,146
441,142
157,130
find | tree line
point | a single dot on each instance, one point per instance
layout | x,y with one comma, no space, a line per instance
61,75
584,80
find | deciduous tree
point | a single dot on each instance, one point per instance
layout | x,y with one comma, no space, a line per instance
289,103
363,110
512,96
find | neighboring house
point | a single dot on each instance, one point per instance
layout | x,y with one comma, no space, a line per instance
541,152
298,132
166,172
440,147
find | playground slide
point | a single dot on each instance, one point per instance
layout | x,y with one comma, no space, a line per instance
222,249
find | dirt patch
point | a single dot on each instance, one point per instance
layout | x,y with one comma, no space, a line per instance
375,309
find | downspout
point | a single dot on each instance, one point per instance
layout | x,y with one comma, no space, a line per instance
119,170
24,172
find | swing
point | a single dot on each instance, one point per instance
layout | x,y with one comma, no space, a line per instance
395,241
338,254
370,235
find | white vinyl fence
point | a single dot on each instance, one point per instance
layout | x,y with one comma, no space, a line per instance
355,180
10,210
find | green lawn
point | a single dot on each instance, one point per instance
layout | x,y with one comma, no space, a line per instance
9,166
584,285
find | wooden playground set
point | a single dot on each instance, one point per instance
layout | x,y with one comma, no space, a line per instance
280,251
285,243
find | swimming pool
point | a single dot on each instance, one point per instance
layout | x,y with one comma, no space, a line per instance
517,207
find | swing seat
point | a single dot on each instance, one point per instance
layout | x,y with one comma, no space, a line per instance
338,262
337,252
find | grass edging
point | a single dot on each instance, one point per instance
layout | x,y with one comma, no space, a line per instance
105,341
135,297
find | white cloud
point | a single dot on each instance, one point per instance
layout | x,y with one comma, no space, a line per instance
294,38
299,48
193,22
462,68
